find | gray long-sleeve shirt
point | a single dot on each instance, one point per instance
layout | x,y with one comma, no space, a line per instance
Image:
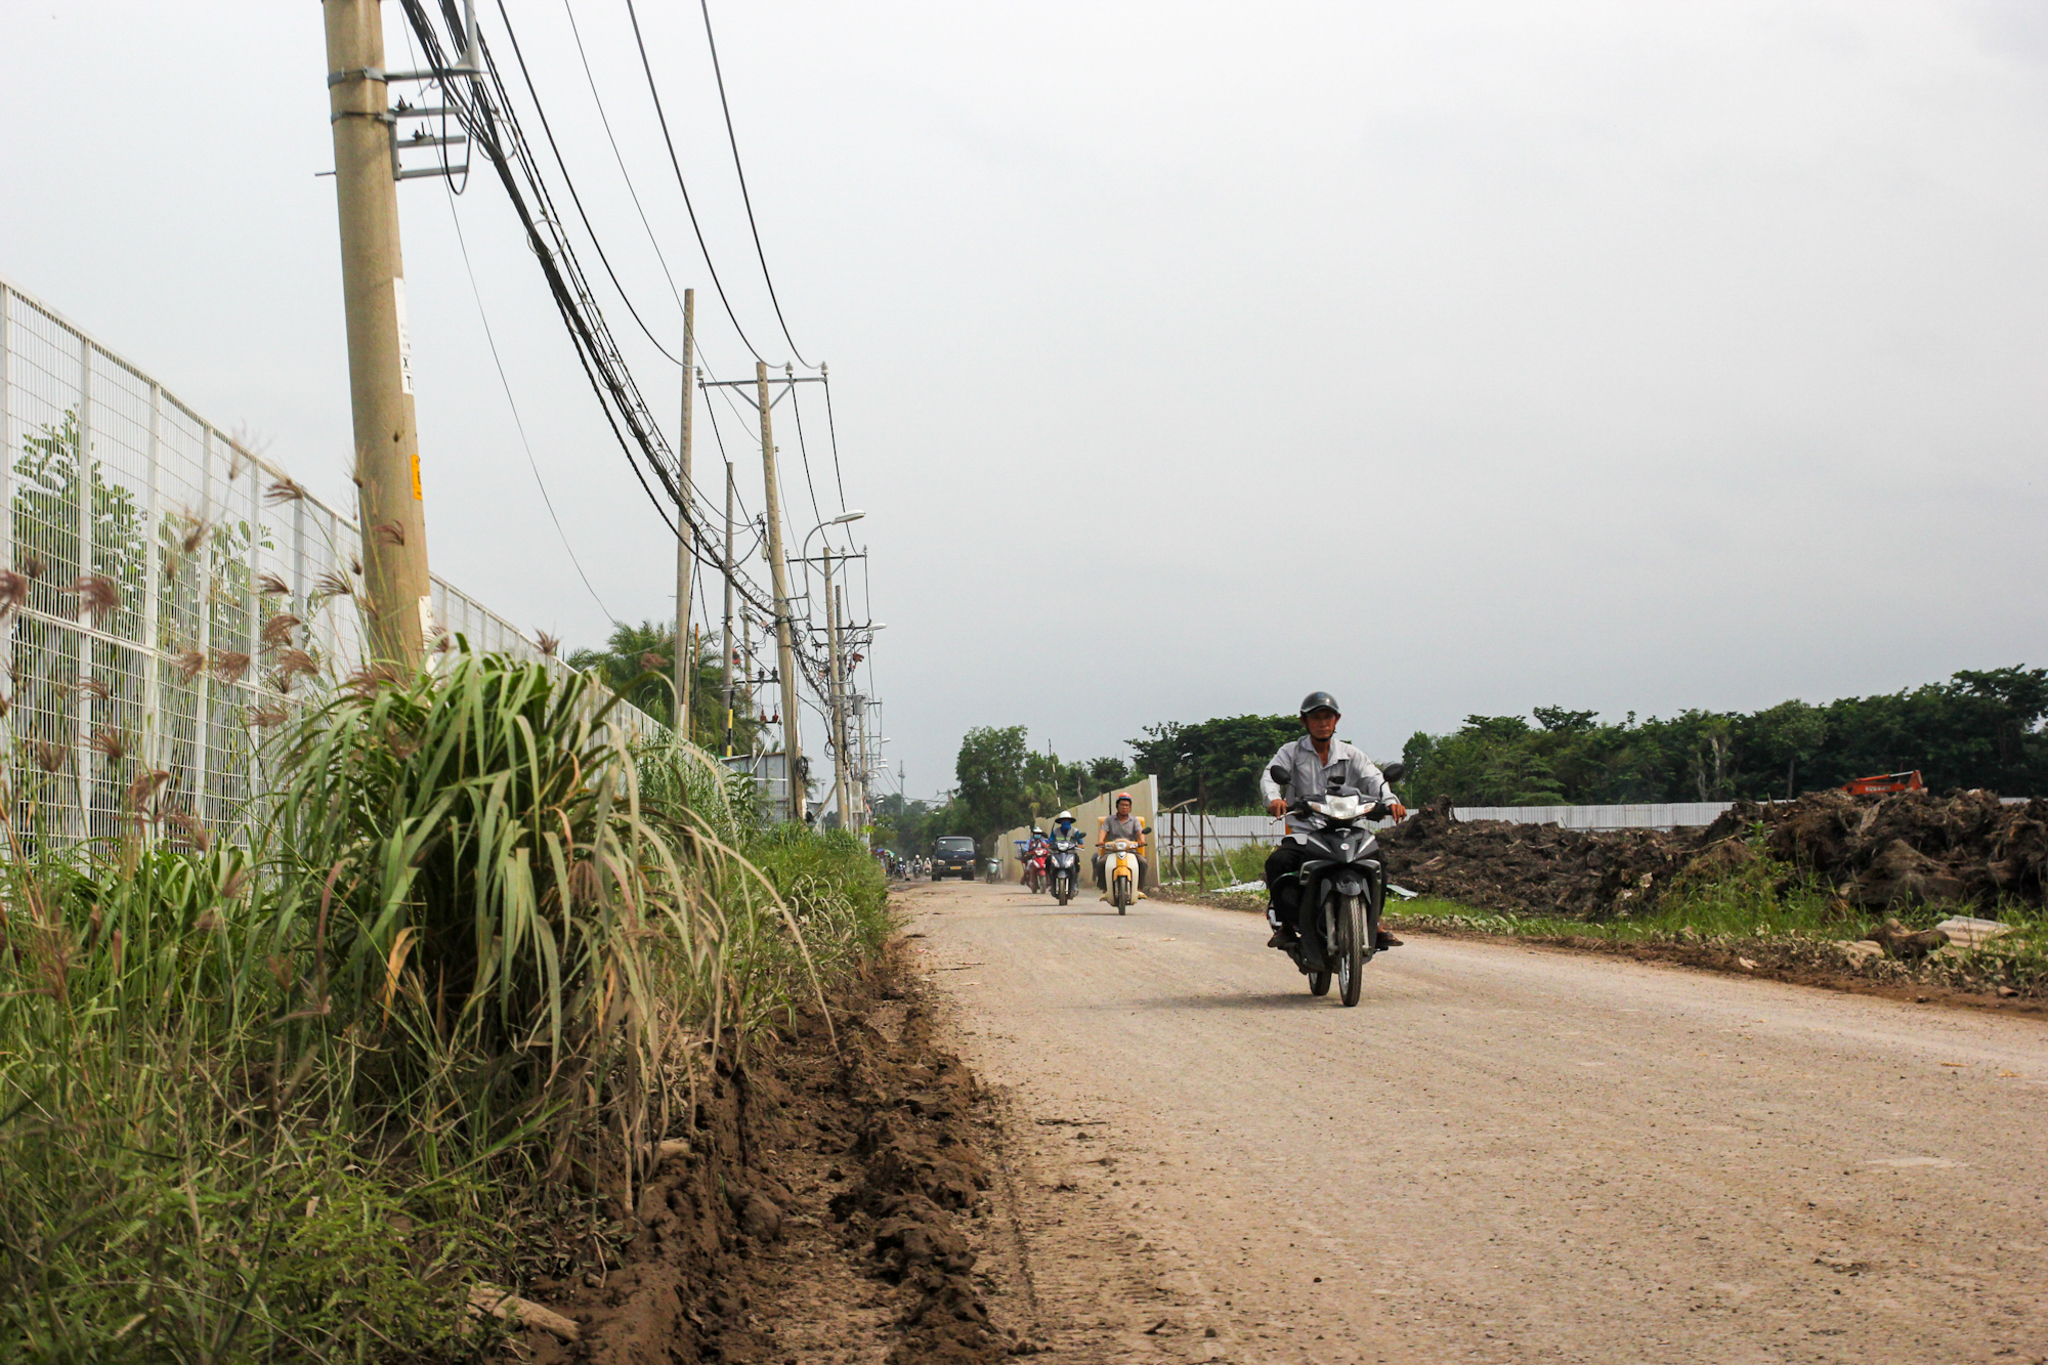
1308,777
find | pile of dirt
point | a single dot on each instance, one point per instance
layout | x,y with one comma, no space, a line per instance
1907,849
823,1198
1878,852
1531,869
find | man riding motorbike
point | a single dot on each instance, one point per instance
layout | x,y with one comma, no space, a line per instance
1035,859
1122,825
1314,763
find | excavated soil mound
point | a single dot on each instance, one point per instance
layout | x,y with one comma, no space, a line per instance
1877,851
1907,849
1530,869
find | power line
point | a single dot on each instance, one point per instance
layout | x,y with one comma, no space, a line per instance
676,162
548,131
796,405
510,402
832,429
745,198
618,156
488,115
486,111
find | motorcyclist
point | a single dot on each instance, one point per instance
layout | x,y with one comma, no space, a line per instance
1313,764
1063,831
1122,825
1038,847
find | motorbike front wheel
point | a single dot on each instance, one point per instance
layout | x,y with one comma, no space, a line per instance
1350,948
1121,893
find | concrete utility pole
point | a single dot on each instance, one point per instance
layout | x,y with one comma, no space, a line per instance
387,467
836,706
686,653
726,636
785,650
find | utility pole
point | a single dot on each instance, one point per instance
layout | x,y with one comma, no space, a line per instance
785,651
835,707
686,532
852,718
726,636
387,463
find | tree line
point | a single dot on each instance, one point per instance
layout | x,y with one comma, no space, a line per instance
1978,729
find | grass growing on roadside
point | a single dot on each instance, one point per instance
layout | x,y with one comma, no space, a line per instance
289,1103
1246,863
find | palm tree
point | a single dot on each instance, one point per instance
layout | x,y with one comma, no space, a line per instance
638,662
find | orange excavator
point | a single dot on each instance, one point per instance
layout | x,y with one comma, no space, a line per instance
1885,783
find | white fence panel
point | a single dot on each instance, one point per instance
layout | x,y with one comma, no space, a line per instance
207,548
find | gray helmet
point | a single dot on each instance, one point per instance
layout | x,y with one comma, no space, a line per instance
1319,701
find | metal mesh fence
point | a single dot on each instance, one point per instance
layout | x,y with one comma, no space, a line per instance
231,589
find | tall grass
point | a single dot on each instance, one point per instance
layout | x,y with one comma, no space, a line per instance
288,1102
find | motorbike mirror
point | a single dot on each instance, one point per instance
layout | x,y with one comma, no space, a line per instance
1394,772
1278,774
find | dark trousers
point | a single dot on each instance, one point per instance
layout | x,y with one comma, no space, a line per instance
1285,860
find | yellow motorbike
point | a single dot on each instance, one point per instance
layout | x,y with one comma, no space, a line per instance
1120,871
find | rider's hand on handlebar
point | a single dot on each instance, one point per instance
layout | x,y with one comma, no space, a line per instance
1276,808
1399,811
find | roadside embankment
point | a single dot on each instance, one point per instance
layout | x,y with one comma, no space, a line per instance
822,1202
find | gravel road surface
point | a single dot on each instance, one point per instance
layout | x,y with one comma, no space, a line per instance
1502,1154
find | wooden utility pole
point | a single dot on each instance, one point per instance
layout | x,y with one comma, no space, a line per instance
726,637
686,533
835,707
399,601
785,650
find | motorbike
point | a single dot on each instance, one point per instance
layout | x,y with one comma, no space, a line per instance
1345,881
1120,870
1065,868
1035,877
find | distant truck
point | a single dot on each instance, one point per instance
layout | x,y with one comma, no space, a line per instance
1885,784
953,856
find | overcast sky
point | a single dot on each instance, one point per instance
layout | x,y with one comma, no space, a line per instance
1451,357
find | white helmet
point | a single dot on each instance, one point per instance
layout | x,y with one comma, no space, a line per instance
1063,815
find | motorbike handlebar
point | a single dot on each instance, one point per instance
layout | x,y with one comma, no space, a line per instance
1378,810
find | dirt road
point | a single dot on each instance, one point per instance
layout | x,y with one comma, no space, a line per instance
1502,1154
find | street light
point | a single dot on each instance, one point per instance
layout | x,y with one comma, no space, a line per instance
839,520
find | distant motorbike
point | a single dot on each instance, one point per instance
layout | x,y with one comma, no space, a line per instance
1064,867
1345,880
1036,872
1120,870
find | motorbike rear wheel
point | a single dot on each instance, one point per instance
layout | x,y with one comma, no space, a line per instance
1350,947
1318,983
